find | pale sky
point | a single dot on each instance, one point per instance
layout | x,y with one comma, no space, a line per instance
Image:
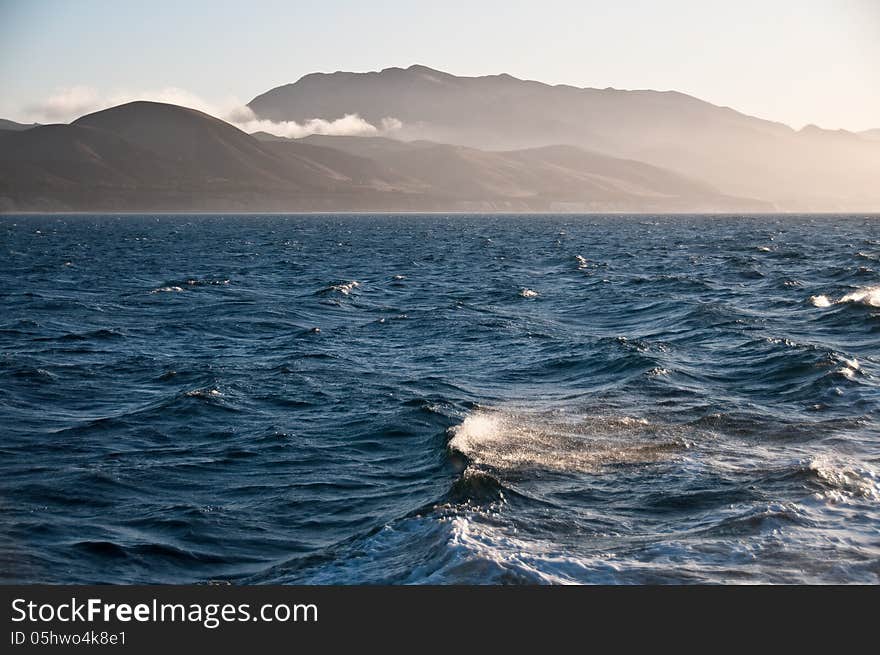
798,62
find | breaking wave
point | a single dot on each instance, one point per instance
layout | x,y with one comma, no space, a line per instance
869,296
516,440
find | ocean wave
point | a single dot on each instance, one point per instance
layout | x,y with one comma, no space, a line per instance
99,334
34,374
179,286
843,480
865,296
850,367
869,296
344,288
207,282
205,394
515,440
502,558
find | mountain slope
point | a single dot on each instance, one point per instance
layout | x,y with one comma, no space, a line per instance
217,152
6,124
738,154
146,155
54,165
552,177
154,155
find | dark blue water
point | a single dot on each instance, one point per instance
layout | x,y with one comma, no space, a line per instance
439,399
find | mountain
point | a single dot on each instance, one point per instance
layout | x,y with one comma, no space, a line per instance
6,124
551,177
738,154
208,149
147,155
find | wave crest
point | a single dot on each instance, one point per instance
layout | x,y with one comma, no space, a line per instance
869,296
509,440
844,480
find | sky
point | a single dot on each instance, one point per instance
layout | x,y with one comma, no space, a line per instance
798,62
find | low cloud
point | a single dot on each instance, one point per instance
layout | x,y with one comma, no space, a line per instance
64,105
70,103
349,125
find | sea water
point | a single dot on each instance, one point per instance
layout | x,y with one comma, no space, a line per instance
439,399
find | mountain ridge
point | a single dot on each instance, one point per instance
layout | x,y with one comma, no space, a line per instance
739,154
6,124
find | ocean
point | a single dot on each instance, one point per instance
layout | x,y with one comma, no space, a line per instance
440,399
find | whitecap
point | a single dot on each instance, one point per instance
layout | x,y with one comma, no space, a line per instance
508,440
203,393
172,289
194,282
845,479
345,288
865,296
869,296
473,543
850,368
528,293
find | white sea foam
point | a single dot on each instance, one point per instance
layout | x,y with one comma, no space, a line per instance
852,363
845,480
850,367
194,282
344,288
865,296
582,262
869,296
504,555
473,540
172,289
512,439
203,393
528,293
